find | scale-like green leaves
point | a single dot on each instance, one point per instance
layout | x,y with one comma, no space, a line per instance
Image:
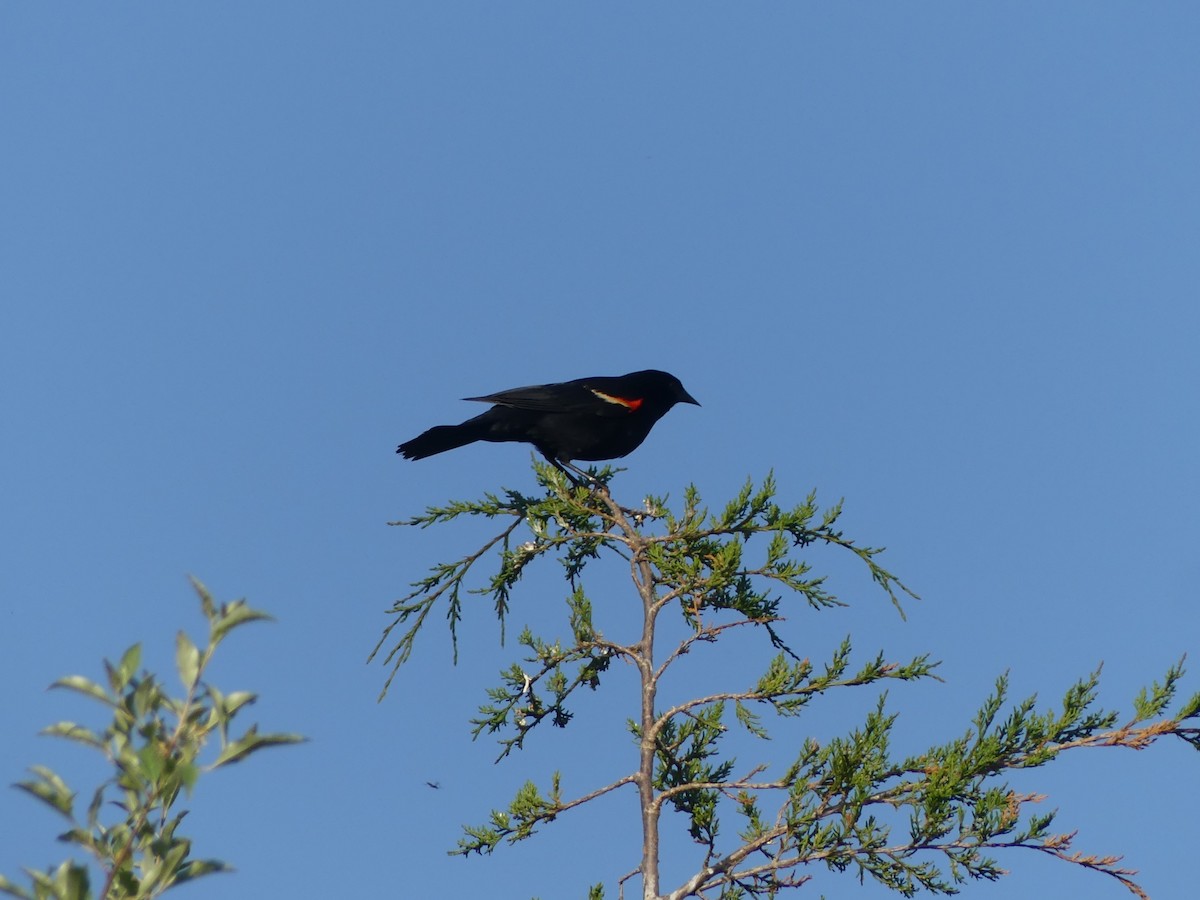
928,822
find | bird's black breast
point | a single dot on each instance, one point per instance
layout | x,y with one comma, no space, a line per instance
590,438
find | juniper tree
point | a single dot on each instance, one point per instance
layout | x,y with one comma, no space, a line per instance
930,820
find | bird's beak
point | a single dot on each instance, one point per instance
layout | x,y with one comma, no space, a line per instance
688,398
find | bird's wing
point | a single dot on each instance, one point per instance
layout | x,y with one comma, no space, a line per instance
586,395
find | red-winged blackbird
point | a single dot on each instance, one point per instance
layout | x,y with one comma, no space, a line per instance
589,419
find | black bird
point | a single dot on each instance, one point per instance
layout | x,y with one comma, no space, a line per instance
589,418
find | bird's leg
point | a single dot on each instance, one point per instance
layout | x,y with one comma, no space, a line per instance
586,476
560,466
588,480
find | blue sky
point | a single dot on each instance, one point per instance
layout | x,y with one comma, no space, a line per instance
938,259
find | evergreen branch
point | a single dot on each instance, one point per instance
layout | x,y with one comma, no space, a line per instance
518,703
743,783
446,577
787,688
707,634
840,802
952,812
528,810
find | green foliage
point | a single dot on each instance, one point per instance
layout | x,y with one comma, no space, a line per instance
929,821
154,745
554,526
528,809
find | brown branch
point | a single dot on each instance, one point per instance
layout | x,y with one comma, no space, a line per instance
427,602
707,634
743,783
599,792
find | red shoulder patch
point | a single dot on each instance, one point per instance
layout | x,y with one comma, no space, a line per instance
630,403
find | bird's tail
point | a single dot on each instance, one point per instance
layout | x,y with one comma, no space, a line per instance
439,439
